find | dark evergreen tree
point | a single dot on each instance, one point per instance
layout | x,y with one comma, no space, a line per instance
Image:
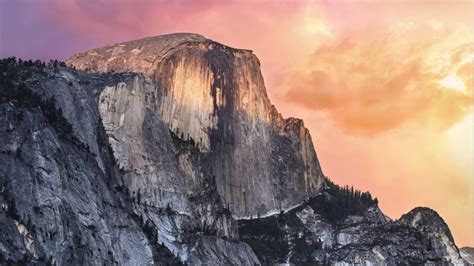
336,203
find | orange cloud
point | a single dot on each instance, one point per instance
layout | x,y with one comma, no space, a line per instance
370,83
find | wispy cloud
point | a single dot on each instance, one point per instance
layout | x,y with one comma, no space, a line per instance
372,82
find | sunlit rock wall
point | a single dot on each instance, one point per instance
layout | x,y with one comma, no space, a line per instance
215,97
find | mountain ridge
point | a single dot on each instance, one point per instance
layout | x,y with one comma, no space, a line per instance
139,186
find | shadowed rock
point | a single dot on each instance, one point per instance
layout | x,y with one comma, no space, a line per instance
214,95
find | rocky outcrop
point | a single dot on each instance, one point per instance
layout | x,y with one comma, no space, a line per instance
467,253
309,235
432,226
73,190
56,204
214,96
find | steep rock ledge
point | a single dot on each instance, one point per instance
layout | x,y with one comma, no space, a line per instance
215,97
314,234
72,193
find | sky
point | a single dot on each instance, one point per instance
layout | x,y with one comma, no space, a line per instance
385,87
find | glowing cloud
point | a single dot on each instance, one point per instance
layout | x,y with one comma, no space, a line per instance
369,83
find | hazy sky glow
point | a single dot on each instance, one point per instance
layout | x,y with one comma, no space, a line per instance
385,88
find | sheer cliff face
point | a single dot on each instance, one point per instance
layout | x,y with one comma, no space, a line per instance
119,188
213,96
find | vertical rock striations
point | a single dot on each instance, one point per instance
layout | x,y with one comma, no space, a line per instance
214,96
96,177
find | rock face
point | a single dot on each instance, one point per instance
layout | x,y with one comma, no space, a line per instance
54,191
167,150
432,226
214,96
467,253
72,190
308,235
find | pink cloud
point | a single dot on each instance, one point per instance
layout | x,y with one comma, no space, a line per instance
374,82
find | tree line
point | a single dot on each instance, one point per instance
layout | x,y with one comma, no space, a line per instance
336,202
13,89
